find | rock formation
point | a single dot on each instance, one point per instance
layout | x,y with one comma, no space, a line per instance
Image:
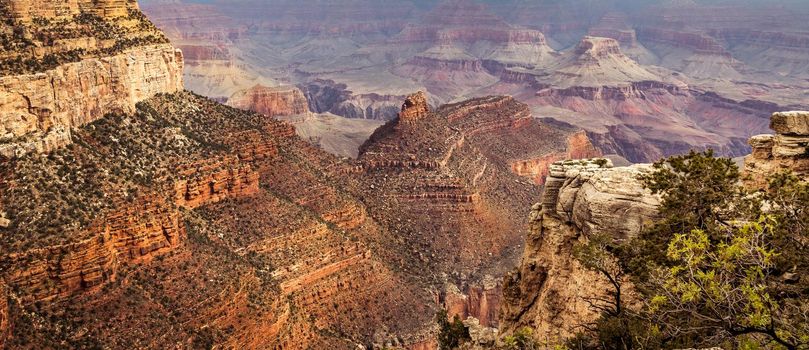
37,111
271,101
787,150
453,165
716,89
87,59
479,302
224,227
549,291
414,108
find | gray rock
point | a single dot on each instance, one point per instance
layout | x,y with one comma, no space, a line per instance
790,123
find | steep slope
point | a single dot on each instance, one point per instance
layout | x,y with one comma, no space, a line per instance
223,225
167,219
550,291
453,166
263,254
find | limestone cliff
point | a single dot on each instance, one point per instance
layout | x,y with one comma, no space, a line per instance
78,61
38,110
29,10
788,149
550,289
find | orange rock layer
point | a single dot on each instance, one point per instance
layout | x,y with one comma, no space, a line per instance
138,232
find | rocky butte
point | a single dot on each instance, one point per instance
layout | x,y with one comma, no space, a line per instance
160,218
271,101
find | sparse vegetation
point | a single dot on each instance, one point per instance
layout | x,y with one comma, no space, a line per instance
112,36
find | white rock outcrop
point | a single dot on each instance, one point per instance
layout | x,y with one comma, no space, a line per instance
550,290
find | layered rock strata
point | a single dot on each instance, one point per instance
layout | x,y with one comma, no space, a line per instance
66,64
414,107
786,150
37,111
271,101
550,290
29,10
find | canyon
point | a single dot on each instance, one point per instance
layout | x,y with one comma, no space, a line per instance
643,81
160,211
343,171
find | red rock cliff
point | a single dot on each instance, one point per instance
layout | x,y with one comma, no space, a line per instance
271,101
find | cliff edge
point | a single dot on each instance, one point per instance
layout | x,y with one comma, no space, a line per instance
549,290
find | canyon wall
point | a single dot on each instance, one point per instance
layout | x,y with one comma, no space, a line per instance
28,10
271,101
74,62
38,110
550,291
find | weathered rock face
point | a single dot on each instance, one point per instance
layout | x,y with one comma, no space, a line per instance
579,146
787,150
454,165
481,302
550,290
80,60
38,110
134,234
271,101
55,9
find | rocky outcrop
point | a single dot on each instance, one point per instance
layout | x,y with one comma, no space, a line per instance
481,302
579,146
271,101
212,181
38,110
77,61
787,150
414,108
550,290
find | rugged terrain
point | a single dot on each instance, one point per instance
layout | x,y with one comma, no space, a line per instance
551,292
668,82
162,212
